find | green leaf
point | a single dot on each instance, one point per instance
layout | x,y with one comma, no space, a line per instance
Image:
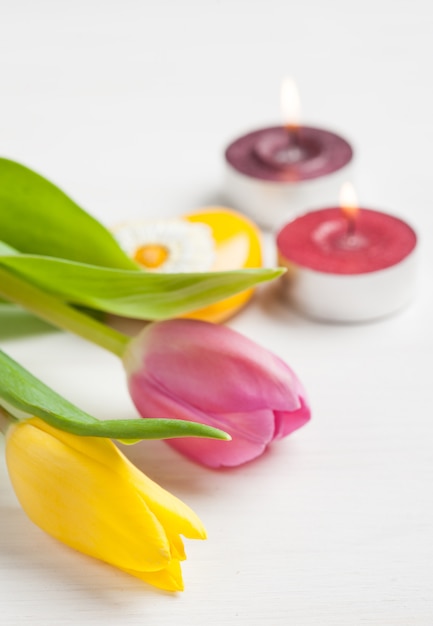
70,254
36,217
139,295
25,393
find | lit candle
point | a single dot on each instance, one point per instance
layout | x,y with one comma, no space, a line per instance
348,264
275,171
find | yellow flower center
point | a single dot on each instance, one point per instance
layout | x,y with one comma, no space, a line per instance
151,255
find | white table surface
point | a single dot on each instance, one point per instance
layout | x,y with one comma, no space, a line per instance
128,106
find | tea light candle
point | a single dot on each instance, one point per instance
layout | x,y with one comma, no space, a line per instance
347,264
274,172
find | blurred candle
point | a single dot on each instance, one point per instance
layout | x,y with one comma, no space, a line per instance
348,264
274,172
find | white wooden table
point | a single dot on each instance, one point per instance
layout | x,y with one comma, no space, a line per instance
128,106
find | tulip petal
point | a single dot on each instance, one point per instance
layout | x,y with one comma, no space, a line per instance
150,399
177,547
287,422
60,487
251,433
219,372
176,517
169,578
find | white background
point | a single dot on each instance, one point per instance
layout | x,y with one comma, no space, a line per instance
128,106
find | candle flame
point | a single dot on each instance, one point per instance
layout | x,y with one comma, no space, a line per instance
349,201
290,103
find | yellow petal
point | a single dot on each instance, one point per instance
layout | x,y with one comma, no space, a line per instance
169,579
177,548
81,500
237,246
95,448
176,517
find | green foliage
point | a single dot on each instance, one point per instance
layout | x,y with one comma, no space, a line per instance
36,217
128,293
26,394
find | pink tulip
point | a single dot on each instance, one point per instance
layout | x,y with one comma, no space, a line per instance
193,370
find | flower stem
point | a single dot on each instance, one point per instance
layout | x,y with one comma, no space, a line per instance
60,314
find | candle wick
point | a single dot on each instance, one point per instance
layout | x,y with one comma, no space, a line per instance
292,152
293,136
351,226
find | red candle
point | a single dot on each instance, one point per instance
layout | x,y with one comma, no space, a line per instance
346,264
322,241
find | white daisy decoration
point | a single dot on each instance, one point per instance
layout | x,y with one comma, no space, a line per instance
169,246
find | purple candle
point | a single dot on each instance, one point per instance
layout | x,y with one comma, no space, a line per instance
275,172
279,155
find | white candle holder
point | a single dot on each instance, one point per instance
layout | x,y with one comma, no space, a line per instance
350,298
269,190
329,278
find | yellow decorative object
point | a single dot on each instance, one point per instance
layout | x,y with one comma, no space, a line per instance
208,240
237,246
84,492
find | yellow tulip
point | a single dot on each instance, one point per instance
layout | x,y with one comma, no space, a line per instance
84,492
